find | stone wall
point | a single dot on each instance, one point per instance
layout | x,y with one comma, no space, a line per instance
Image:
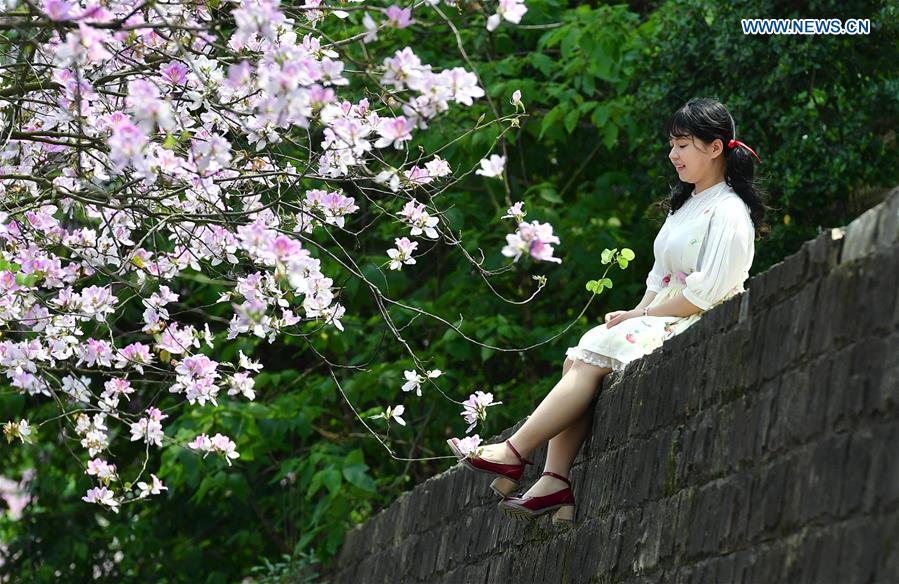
759,445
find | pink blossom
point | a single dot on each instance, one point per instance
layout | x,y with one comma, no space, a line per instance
515,212
102,496
219,444
419,219
475,408
148,107
136,355
58,9
126,145
284,248
403,252
149,429
241,383
177,340
532,238
469,444
509,10
371,28
393,131
94,352
492,167
174,73
393,413
239,75
399,17
101,469
462,84
153,488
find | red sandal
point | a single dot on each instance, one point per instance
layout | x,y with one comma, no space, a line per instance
510,474
527,507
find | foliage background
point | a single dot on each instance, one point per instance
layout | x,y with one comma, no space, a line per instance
598,81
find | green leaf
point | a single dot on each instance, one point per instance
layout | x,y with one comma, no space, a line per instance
329,477
600,115
609,135
628,254
571,120
552,116
354,468
570,42
606,255
27,279
355,475
550,194
542,63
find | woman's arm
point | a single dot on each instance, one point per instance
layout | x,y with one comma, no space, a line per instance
647,298
677,305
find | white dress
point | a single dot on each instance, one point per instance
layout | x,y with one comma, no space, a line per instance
705,250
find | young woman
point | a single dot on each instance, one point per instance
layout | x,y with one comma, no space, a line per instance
703,253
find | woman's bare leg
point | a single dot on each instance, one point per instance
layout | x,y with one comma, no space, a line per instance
563,412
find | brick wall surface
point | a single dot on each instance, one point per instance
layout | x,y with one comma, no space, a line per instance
759,445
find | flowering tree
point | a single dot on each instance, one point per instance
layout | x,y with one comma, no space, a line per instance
234,145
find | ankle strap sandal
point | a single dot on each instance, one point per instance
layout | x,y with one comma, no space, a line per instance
558,476
515,452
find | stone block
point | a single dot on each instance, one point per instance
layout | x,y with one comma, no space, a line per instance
819,477
888,224
860,237
764,408
767,499
839,390
823,253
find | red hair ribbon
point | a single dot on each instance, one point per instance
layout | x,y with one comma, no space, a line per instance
733,143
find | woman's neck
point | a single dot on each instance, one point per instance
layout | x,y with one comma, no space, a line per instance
706,183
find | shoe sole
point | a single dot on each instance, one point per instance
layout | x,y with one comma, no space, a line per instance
521,514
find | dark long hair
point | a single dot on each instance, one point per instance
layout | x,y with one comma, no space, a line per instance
707,119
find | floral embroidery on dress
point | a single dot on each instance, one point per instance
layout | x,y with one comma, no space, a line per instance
682,276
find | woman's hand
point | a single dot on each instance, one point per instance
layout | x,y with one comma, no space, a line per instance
614,314
620,316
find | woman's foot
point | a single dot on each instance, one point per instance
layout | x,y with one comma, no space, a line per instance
546,485
493,459
500,453
534,503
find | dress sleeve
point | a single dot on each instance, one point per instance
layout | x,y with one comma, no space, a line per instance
654,278
728,254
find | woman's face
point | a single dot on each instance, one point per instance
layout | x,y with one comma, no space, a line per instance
694,159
